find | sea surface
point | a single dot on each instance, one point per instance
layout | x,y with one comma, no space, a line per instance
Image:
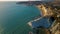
14,17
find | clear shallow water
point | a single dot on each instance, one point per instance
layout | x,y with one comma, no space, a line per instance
14,17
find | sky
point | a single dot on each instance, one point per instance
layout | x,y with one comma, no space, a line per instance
25,0
20,0
14,0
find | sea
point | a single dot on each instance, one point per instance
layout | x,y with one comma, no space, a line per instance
14,17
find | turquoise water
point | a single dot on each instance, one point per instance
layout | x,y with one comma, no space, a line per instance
14,17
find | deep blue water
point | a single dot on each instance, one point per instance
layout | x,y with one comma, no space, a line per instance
14,17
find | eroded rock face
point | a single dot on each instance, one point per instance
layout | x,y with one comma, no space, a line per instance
55,29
